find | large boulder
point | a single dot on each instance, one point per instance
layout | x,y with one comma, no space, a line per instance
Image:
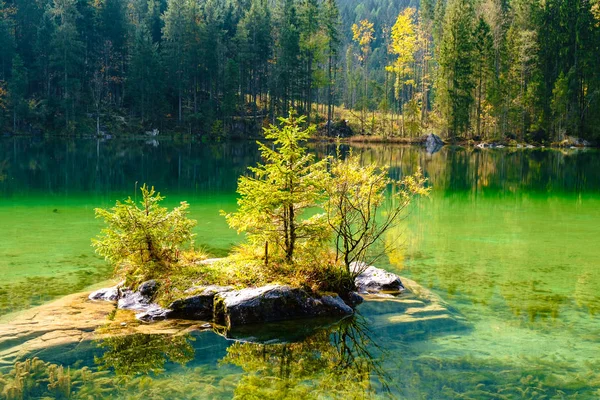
274,303
375,280
197,306
433,143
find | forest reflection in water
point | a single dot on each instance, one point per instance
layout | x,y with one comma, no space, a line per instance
97,167
339,361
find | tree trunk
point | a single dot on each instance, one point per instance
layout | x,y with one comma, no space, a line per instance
289,254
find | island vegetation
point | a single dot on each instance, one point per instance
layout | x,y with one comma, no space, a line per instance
522,70
306,223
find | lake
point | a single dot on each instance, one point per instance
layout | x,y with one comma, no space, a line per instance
508,238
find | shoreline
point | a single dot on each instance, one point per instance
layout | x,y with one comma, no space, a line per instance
468,143
350,140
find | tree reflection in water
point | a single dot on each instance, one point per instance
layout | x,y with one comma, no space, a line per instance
337,362
141,354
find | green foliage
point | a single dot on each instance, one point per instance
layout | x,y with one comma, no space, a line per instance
144,241
274,200
559,105
455,80
187,65
358,209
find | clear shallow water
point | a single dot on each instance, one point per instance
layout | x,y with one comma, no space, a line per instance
508,238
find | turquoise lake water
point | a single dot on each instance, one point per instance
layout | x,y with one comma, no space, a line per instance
509,238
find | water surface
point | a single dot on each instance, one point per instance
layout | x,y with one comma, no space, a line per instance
508,237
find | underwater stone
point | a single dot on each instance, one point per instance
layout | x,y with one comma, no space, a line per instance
375,280
274,303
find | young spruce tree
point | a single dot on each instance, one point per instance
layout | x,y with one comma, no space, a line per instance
274,199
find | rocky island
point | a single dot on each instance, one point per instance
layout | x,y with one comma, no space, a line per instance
228,307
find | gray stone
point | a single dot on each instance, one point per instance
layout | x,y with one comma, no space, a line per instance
198,306
274,303
106,294
353,299
375,280
148,288
433,143
134,301
153,313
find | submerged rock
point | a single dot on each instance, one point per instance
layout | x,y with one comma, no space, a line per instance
375,280
274,303
69,326
292,331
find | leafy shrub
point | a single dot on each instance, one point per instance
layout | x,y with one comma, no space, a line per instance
145,241
358,210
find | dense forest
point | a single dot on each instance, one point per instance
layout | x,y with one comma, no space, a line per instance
527,70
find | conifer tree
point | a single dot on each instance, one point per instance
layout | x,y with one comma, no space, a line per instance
276,195
455,80
146,74
18,89
331,18
363,34
483,67
67,52
7,39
